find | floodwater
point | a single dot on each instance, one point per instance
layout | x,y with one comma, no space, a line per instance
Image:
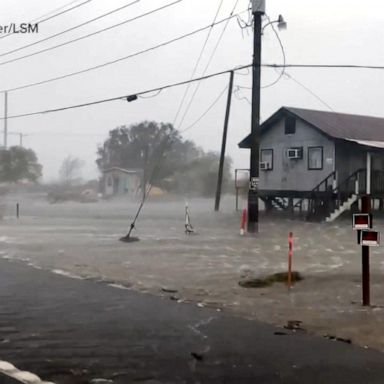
80,240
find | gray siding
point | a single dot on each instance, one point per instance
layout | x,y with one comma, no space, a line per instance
349,158
293,175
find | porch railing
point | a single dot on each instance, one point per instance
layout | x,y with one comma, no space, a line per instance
325,185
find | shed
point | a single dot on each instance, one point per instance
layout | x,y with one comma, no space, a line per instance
121,181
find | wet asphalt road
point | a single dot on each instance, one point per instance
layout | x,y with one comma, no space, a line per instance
7,380
74,331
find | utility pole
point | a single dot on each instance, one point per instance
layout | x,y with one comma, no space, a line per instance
20,139
5,119
224,143
258,9
366,208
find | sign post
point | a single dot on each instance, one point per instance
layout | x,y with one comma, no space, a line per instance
366,237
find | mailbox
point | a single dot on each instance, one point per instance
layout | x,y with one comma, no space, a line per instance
361,221
369,238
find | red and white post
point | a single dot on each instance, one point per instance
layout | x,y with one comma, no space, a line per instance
243,222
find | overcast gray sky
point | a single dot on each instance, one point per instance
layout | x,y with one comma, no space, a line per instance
328,31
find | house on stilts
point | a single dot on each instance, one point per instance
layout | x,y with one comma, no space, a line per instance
319,163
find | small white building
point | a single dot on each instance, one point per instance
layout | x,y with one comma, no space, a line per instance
120,181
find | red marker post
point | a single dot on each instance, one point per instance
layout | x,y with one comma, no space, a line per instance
290,255
243,222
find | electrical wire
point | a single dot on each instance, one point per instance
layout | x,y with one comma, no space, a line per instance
119,59
324,66
55,15
69,134
150,97
147,189
125,96
166,144
283,53
208,64
197,63
41,18
206,111
309,91
245,25
69,30
237,95
244,74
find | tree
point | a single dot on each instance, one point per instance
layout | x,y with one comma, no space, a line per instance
167,160
142,146
18,163
70,169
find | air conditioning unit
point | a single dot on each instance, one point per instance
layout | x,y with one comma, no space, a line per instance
264,165
294,153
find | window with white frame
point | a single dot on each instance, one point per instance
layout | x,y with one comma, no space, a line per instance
315,158
266,157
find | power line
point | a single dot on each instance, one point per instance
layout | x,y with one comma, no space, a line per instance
69,134
324,66
117,60
209,62
197,63
125,96
237,68
150,97
44,18
283,53
309,91
238,97
206,111
66,31
41,18
55,15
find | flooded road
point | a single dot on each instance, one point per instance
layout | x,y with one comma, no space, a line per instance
72,331
81,241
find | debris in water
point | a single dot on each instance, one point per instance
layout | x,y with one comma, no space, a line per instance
129,239
262,282
294,325
169,290
197,356
335,338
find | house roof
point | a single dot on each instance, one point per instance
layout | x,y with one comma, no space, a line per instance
366,129
129,170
